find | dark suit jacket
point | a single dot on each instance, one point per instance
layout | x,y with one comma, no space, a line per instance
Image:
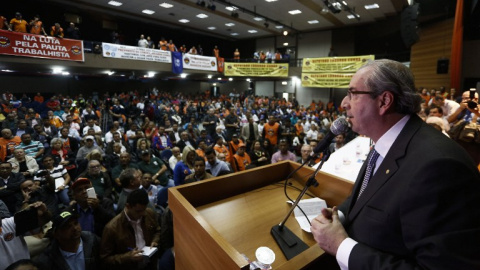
420,209
10,193
28,130
182,144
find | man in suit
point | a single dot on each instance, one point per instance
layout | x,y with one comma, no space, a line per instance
418,209
185,140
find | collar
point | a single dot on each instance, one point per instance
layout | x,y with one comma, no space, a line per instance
130,220
382,146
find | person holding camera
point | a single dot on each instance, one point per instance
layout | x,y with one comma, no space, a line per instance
468,114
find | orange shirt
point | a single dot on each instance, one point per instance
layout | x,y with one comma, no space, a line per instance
18,25
271,132
36,28
39,99
240,163
201,153
222,150
7,146
162,45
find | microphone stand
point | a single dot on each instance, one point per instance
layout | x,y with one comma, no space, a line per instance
290,244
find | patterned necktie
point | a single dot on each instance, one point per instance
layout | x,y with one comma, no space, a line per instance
368,173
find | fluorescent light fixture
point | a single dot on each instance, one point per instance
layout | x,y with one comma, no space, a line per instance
230,79
110,73
372,6
271,0
65,73
209,76
285,44
150,74
183,75
229,24
252,31
166,5
148,11
234,34
202,16
219,78
279,26
284,83
295,12
350,16
231,8
313,21
345,3
211,28
184,21
248,79
214,84
258,19
295,79
7,70
115,3
285,33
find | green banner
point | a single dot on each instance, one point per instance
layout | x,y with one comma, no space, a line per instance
326,80
256,69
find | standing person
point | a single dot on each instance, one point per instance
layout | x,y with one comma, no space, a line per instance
236,55
250,132
128,233
210,122
36,26
414,204
57,31
142,42
272,131
241,160
72,31
18,24
231,124
216,52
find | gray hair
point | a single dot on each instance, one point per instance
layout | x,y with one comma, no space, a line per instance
393,76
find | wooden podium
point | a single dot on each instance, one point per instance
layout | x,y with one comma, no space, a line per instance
218,220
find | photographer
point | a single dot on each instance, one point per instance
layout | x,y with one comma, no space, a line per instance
468,115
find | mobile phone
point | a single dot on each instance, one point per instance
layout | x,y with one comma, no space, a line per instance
91,193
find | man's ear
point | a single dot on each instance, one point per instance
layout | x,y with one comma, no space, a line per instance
386,101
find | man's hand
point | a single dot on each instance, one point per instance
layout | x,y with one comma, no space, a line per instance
328,231
41,208
135,255
153,244
93,202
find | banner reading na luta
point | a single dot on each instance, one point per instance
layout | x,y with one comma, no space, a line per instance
349,64
256,69
38,46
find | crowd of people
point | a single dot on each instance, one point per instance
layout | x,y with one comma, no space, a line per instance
131,147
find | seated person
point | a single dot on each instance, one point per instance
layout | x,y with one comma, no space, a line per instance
33,149
93,213
283,153
185,166
200,173
100,180
62,156
156,167
10,192
214,165
59,174
24,164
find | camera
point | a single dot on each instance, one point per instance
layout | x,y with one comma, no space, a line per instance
472,104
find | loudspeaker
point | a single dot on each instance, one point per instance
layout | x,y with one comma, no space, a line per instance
442,66
409,25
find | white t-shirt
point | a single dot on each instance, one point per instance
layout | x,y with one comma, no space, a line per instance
12,248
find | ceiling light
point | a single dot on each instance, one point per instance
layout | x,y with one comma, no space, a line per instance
231,8
351,16
295,12
166,5
313,21
148,11
284,83
7,70
372,6
285,44
248,79
151,74
258,19
230,79
57,70
252,31
234,34
229,24
65,73
219,78
115,3
285,33
110,73
279,26
210,76
214,84
183,75
202,16
271,0
184,21
211,28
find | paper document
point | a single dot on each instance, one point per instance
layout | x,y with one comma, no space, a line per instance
59,182
312,208
148,251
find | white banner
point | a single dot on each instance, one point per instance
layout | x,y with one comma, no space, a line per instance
192,61
135,53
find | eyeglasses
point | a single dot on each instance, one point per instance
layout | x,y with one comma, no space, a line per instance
351,92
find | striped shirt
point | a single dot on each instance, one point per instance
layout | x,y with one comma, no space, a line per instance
31,149
57,173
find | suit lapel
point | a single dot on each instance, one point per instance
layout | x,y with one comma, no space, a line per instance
387,169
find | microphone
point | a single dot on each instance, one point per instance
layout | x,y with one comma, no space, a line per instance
338,126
